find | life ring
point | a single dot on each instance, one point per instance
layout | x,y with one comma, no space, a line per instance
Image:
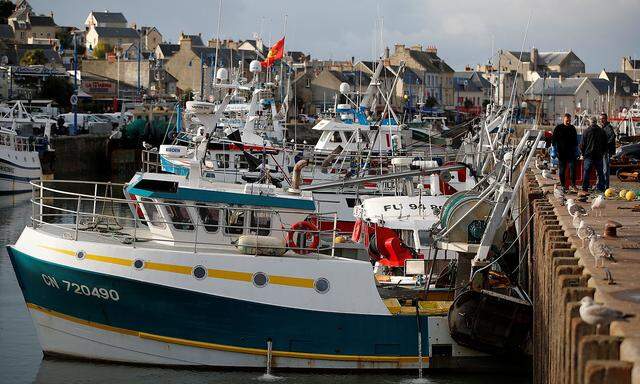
310,231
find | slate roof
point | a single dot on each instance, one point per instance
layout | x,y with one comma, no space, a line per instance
544,58
196,40
554,86
474,82
41,21
296,56
169,50
109,17
602,85
622,83
635,63
424,59
209,54
117,32
353,78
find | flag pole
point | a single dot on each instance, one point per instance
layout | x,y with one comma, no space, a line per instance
284,36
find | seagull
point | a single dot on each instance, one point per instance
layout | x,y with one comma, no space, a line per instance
146,145
584,232
541,165
547,174
598,314
575,209
558,193
598,205
599,250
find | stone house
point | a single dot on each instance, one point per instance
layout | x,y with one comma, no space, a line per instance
534,64
164,51
325,86
150,37
435,73
471,89
113,36
631,67
31,28
564,95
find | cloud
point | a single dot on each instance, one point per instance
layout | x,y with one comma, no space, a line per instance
600,32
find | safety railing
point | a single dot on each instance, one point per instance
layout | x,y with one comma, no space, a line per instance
18,143
77,208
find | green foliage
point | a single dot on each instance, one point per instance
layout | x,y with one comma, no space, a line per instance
33,57
65,37
58,89
101,49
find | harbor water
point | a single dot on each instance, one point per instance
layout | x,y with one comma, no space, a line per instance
21,359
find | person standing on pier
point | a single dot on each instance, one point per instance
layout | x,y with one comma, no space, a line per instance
565,139
611,147
593,147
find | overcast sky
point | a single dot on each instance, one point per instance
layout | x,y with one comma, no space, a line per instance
600,32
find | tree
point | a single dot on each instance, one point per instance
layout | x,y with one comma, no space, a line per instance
58,89
34,57
101,49
6,9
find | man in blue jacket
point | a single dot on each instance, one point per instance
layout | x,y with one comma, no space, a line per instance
593,147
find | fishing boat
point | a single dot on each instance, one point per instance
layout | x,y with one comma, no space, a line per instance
19,162
186,271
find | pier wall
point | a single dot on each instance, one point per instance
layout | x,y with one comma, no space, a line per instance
565,349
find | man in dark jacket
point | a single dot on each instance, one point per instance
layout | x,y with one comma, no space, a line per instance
593,147
565,139
611,147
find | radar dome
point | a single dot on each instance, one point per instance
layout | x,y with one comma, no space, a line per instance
345,88
222,74
254,66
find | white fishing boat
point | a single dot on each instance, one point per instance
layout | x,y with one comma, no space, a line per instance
19,162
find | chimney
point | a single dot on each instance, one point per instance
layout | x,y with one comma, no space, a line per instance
185,41
399,48
416,47
467,69
432,49
534,58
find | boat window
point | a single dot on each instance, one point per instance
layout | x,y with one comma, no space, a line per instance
153,213
241,162
234,221
222,160
336,137
179,216
347,135
406,235
424,237
261,223
210,218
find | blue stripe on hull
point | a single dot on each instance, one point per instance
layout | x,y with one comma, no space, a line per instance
177,313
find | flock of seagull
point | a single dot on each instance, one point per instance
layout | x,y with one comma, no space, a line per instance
590,312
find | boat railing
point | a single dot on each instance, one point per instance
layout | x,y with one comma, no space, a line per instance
151,161
76,208
20,144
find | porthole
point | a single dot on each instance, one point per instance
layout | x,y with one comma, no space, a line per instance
260,279
321,285
138,264
81,255
199,272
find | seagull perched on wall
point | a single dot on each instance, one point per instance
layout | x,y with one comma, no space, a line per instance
598,314
584,232
575,209
558,193
598,205
599,250
547,174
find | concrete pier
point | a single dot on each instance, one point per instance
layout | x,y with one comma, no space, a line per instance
566,349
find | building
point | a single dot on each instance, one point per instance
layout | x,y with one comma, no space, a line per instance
164,51
6,34
193,64
557,96
621,92
435,73
631,67
150,37
112,36
254,46
31,28
105,19
472,91
533,65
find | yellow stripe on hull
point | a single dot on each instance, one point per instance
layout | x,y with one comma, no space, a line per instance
230,348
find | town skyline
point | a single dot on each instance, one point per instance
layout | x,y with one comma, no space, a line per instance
464,35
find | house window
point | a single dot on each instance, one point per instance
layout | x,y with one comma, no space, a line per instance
179,216
210,218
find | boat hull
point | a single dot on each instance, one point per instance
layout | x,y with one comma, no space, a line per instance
17,170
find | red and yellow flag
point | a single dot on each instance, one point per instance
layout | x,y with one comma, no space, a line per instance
275,53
